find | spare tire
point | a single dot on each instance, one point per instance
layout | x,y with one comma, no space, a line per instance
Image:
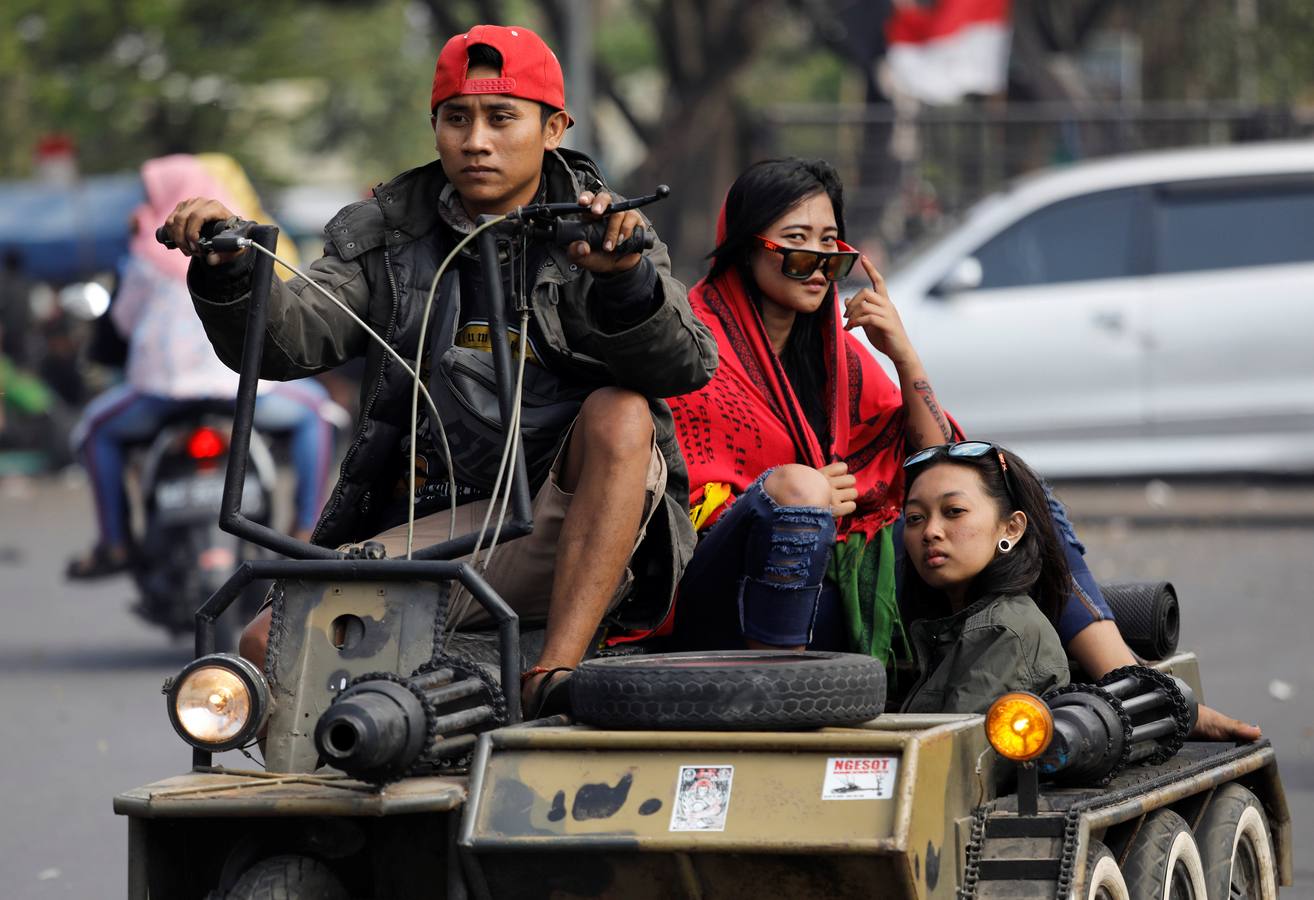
731,690
1147,616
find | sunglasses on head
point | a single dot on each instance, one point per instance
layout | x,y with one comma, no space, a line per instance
964,450
800,264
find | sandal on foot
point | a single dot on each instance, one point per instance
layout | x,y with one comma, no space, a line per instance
552,695
101,562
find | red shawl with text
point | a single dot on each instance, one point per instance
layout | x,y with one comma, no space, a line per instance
747,418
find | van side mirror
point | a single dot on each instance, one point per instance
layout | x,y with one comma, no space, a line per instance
966,275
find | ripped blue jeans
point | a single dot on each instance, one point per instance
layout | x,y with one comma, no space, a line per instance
759,574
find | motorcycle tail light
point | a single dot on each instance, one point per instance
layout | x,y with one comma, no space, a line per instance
206,443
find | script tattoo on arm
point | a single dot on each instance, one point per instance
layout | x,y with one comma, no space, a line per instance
924,390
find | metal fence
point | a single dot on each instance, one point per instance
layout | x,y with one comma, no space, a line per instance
908,174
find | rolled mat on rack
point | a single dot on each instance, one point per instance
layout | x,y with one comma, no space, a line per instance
1147,615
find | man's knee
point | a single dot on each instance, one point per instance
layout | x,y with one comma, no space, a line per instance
617,422
254,641
795,485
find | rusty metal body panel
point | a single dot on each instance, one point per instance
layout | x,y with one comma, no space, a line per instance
326,635
550,800
914,806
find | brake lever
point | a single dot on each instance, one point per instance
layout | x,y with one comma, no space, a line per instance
214,238
555,210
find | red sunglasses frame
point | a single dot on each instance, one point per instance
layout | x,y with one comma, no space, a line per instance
823,257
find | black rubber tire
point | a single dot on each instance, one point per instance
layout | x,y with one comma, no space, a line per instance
288,878
1236,847
1163,861
1147,614
1104,879
732,690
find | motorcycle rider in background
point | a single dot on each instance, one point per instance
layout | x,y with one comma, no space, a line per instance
170,365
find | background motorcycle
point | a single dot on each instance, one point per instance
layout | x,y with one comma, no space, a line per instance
182,555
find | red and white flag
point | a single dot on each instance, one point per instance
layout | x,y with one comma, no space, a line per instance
941,51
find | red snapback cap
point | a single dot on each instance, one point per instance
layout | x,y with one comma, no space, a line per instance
530,69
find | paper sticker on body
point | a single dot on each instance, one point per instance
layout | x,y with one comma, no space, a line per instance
702,798
859,778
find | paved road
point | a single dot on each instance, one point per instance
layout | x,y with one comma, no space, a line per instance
81,717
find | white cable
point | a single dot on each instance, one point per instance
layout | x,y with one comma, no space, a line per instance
415,392
418,388
515,435
503,471
374,335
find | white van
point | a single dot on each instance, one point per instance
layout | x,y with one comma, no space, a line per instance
1151,313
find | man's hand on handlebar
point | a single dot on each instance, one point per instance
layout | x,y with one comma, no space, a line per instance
185,222
619,227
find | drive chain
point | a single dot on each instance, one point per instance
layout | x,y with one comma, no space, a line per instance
972,864
1068,859
1181,711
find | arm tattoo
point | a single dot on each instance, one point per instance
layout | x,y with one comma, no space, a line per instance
928,397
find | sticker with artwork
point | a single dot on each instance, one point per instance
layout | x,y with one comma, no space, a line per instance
702,798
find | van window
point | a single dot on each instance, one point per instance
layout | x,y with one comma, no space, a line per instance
1224,229
1080,239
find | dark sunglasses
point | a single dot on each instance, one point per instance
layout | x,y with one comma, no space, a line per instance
964,450
800,264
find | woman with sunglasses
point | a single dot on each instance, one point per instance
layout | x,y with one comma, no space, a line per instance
794,446
984,579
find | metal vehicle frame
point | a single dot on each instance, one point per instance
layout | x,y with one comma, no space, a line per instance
552,808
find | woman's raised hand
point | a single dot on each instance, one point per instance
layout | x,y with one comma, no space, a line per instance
872,310
843,488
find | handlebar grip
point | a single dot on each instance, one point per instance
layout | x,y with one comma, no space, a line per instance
212,236
567,232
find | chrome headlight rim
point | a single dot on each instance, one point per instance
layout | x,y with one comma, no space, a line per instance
257,689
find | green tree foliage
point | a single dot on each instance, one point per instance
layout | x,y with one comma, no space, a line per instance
139,78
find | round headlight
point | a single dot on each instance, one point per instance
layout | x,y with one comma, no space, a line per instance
1019,726
218,702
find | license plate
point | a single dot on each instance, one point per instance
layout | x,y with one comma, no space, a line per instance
189,493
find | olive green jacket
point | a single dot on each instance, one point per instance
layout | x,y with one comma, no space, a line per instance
996,645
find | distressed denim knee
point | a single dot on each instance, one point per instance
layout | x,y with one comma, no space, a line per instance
785,561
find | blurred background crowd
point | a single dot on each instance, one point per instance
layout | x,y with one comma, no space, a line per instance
317,101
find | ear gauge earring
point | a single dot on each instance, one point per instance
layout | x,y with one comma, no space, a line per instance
1005,545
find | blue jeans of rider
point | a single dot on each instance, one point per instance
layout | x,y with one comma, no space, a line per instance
759,574
123,415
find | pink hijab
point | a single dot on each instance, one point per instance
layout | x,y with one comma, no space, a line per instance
169,180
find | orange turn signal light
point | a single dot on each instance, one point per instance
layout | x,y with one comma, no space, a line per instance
1019,726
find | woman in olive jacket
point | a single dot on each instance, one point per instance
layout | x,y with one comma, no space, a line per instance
984,579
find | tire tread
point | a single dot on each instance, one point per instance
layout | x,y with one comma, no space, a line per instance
817,690
288,878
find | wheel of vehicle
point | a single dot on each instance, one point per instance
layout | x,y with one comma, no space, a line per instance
1236,848
288,878
732,690
1163,861
1104,879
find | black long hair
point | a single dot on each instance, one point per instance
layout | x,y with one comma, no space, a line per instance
1036,566
762,194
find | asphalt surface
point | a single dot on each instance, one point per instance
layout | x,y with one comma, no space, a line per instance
81,716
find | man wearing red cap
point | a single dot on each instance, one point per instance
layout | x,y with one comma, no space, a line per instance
609,336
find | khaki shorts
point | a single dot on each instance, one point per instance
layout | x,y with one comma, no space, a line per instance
521,571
